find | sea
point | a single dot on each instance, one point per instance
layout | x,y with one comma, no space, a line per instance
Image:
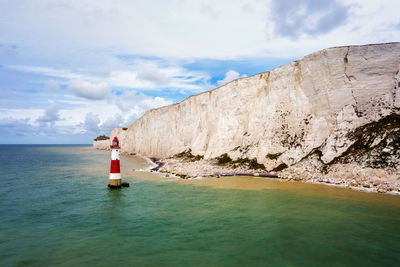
56,210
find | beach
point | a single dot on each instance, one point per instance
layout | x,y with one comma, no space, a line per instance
348,176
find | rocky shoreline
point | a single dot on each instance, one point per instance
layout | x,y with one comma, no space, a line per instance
343,175
353,176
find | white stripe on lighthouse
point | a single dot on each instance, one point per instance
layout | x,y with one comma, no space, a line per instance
115,154
115,176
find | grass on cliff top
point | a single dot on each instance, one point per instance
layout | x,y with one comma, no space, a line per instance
101,137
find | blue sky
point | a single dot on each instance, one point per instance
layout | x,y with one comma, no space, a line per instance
71,70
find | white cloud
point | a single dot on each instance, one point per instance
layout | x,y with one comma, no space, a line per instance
149,103
52,86
142,75
174,29
50,72
190,29
91,123
31,115
126,101
135,104
50,116
230,76
35,126
16,127
90,90
100,117
112,122
153,74
367,22
77,117
308,17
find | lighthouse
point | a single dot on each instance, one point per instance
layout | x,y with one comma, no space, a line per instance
115,176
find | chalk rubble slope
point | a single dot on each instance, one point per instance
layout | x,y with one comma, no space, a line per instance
337,105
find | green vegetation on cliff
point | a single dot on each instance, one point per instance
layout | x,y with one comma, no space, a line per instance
101,137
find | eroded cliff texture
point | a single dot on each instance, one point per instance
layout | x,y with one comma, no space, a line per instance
337,105
102,144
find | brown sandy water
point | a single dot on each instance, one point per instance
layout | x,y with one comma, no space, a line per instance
302,188
131,164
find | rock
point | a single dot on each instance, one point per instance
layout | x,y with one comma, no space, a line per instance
102,144
386,150
354,183
376,183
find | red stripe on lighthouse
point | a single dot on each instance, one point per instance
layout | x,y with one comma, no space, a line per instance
114,166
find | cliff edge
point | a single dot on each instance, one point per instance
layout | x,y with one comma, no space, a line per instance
336,107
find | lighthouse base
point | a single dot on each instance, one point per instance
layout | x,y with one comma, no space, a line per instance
114,183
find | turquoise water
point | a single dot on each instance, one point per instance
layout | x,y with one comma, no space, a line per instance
57,210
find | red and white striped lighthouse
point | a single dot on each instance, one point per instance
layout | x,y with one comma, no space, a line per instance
115,176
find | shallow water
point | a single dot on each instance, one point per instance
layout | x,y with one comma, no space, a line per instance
57,210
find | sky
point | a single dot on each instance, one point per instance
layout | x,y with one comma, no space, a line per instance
72,70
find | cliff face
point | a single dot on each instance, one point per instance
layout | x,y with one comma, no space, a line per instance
102,144
337,105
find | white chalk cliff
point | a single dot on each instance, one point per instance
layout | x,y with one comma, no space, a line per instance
336,105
